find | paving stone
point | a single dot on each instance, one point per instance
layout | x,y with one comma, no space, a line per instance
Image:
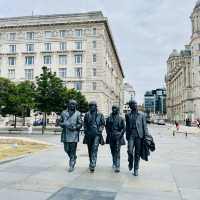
11,194
190,194
187,176
80,194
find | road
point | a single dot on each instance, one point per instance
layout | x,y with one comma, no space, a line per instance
173,172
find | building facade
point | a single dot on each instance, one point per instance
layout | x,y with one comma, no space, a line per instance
155,101
78,47
179,85
129,94
183,76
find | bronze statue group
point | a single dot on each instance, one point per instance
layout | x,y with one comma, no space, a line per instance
140,142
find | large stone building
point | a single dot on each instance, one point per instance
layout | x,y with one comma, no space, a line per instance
78,47
183,76
129,94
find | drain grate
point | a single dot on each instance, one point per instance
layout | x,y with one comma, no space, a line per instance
82,194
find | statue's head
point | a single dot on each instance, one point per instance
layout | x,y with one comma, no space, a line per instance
93,106
72,105
133,105
115,109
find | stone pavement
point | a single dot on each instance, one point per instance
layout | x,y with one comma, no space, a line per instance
173,172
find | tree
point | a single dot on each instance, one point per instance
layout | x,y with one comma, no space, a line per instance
52,96
49,91
9,99
5,86
76,95
25,93
15,99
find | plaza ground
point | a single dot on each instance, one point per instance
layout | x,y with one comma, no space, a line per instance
173,172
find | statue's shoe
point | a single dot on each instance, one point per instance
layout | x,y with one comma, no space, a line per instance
130,166
135,173
92,169
117,170
71,169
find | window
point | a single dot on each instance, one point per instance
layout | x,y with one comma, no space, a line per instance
78,72
30,35
78,85
12,36
94,72
63,33
11,73
94,85
62,59
199,47
78,59
63,46
78,32
78,45
48,34
12,48
47,60
94,44
12,61
29,60
94,58
62,72
30,47
28,74
47,46
94,31
199,59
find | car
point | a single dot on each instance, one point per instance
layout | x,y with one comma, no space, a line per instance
148,119
161,122
38,122
155,121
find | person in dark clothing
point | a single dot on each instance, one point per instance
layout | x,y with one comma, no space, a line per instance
93,127
136,130
115,128
177,125
71,124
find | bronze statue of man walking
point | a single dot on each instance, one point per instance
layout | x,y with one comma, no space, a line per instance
115,128
93,127
71,123
136,131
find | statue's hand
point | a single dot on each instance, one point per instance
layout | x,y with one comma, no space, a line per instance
101,129
72,127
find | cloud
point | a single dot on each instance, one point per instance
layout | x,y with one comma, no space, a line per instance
145,31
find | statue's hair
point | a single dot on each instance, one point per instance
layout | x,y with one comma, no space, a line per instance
92,103
115,106
132,102
73,101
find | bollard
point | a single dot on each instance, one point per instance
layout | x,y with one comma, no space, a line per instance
173,133
186,134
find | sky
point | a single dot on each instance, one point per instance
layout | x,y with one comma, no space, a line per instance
145,31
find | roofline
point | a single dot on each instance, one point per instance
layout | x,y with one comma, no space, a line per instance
91,13
114,46
104,20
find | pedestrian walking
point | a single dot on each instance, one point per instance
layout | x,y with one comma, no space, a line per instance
177,125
